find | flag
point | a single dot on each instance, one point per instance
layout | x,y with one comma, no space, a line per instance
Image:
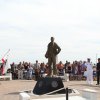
3,61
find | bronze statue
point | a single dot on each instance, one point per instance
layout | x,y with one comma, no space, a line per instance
52,51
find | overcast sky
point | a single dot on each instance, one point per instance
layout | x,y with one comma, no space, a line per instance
27,25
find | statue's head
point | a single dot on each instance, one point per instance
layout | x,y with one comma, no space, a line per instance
52,39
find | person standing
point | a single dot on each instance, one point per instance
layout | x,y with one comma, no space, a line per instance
37,70
52,51
20,71
89,72
29,72
60,68
98,71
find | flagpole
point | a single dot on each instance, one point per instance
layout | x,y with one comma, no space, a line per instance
6,53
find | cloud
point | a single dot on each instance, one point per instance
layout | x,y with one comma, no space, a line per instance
26,28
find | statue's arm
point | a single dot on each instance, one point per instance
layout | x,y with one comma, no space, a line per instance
59,49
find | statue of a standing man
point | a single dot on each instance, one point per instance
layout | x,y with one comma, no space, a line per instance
52,50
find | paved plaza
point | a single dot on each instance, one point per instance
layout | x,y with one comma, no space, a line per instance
9,90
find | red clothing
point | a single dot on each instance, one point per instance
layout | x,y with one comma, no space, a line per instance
2,70
60,66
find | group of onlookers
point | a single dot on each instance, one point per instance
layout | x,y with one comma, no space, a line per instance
76,70
25,70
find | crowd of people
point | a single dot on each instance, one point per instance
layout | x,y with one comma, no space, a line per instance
76,70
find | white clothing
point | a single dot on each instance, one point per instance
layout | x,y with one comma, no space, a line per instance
29,73
89,73
76,69
85,73
20,74
36,65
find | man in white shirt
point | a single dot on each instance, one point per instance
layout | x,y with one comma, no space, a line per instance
89,68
